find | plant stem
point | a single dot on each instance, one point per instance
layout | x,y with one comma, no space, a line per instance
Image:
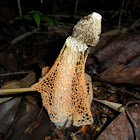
19,8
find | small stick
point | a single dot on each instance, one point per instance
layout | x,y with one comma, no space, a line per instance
75,11
120,16
19,8
15,91
21,37
15,73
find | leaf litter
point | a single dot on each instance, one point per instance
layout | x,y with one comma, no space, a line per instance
114,66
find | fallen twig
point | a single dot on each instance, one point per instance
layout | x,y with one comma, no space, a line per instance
15,91
19,38
121,30
119,22
131,93
116,106
135,24
73,135
15,73
111,32
19,8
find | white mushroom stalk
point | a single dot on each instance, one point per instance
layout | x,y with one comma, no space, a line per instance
66,91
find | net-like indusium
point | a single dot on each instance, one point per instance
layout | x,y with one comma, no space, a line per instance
66,90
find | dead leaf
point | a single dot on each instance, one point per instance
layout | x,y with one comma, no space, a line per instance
121,128
28,127
48,138
9,61
116,50
121,74
31,100
7,113
84,128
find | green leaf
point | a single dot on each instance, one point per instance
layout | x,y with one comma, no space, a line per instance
37,18
49,20
27,17
31,12
40,13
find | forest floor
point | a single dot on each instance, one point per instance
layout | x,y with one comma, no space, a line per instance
114,65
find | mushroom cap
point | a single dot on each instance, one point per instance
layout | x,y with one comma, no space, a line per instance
88,29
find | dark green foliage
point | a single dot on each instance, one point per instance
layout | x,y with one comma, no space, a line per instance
37,16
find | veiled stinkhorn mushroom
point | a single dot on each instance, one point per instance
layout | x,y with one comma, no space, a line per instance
65,89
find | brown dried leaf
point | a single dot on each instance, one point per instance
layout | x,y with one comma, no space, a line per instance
117,50
7,113
9,61
122,74
121,128
84,128
28,127
48,138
